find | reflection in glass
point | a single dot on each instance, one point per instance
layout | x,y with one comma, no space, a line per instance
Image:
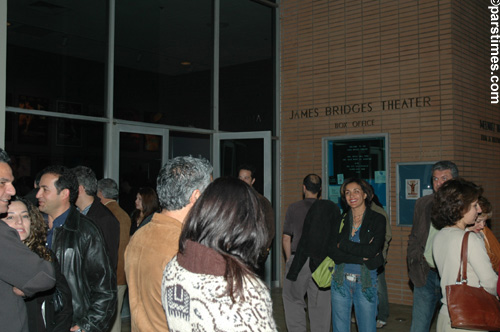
140,160
235,152
163,62
55,54
36,142
188,144
246,66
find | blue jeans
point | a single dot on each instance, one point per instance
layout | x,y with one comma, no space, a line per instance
425,300
365,309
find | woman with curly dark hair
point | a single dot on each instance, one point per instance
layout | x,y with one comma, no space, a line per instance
27,220
146,204
455,206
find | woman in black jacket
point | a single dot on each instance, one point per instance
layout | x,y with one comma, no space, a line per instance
24,217
357,255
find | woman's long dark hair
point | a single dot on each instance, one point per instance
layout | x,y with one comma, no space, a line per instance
229,219
150,203
38,230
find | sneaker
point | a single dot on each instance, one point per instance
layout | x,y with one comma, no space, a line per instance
381,324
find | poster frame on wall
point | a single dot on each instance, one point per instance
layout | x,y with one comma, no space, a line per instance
377,173
413,180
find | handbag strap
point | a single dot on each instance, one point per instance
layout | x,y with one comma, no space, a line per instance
462,277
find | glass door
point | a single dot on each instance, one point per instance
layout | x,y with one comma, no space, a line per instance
230,150
138,153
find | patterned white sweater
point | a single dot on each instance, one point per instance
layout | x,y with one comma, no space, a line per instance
192,288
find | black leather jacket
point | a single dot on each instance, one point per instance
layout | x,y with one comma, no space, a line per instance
58,306
81,251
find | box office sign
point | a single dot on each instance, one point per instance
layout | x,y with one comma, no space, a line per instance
363,156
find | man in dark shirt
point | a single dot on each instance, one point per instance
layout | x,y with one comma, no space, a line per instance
294,291
90,205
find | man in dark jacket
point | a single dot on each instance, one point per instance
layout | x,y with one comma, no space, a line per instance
90,205
305,248
421,267
20,267
80,249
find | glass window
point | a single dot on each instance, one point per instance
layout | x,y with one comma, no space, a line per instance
35,142
140,162
364,157
56,54
163,62
189,144
246,67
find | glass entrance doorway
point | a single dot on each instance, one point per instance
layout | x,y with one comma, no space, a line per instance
138,154
230,150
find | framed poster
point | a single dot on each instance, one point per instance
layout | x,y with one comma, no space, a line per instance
363,156
413,180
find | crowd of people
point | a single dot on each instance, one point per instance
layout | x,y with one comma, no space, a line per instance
69,258
192,253
358,242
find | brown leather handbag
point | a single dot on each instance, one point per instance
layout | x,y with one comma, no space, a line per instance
471,307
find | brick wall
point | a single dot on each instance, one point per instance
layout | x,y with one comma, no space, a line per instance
354,52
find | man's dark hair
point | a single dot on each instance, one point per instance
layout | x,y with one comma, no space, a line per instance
248,167
312,182
4,156
37,179
444,165
67,180
86,178
452,201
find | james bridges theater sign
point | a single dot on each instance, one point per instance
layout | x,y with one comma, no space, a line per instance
384,105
